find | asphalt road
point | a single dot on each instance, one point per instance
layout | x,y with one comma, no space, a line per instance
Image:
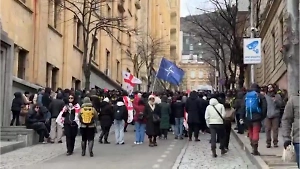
128,156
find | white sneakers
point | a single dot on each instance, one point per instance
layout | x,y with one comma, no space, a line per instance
138,142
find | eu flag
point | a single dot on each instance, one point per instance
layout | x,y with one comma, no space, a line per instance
169,72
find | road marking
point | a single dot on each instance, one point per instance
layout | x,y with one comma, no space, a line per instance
160,160
167,152
163,156
172,145
155,166
170,148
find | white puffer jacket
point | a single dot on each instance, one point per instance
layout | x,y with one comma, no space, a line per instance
211,115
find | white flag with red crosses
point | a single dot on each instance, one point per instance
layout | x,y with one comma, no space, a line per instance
129,81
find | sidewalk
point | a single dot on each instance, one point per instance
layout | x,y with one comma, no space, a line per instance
270,158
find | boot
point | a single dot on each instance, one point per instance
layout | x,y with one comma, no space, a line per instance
101,137
223,151
83,148
154,142
151,143
214,153
106,138
255,150
91,145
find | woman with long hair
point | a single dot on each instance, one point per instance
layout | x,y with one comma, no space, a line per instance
68,119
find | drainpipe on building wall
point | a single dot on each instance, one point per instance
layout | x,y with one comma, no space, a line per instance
34,39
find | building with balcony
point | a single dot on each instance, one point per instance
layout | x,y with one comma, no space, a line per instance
272,31
48,45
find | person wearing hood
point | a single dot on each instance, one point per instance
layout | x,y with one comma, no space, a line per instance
254,118
106,118
152,114
214,116
87,118
55,107
46,99
36,120
120,118
195,108
16,107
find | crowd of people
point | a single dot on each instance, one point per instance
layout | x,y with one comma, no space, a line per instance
259,109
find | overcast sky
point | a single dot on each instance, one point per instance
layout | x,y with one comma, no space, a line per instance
190,6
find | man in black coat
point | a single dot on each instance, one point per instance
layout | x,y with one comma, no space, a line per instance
195,107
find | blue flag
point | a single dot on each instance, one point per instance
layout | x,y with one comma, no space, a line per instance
169,72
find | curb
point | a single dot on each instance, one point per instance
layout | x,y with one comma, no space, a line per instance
256,160
180,157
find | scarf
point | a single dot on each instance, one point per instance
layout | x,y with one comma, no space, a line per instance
60,120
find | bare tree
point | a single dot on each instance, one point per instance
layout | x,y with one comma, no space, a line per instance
88,14
222,31
148,49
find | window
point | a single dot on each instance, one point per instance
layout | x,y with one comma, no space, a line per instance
187,41
54,13
201,74
107,62
76,84
95,48
78,32
57,13
191,47
192,74
48,74
22,55
273,43
118,69
281,29
54,78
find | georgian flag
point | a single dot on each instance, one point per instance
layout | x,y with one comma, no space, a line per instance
129,81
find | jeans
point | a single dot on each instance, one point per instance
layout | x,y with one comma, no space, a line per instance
297,151
179,127
119,131
217,130
139,132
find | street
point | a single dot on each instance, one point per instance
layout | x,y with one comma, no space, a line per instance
120,156
169,154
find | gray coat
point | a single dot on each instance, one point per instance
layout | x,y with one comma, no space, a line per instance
290,120
273,106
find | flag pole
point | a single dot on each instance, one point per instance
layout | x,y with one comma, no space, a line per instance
156,76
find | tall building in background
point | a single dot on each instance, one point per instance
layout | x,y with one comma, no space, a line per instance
159,20
198,73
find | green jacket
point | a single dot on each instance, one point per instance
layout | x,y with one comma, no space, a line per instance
165,111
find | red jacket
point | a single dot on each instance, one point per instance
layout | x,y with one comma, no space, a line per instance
138,109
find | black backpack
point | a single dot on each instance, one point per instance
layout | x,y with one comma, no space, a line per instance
118,112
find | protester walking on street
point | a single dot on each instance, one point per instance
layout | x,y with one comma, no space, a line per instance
106,118
87,117
68,119
139,120
120,118
214,116
254,111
